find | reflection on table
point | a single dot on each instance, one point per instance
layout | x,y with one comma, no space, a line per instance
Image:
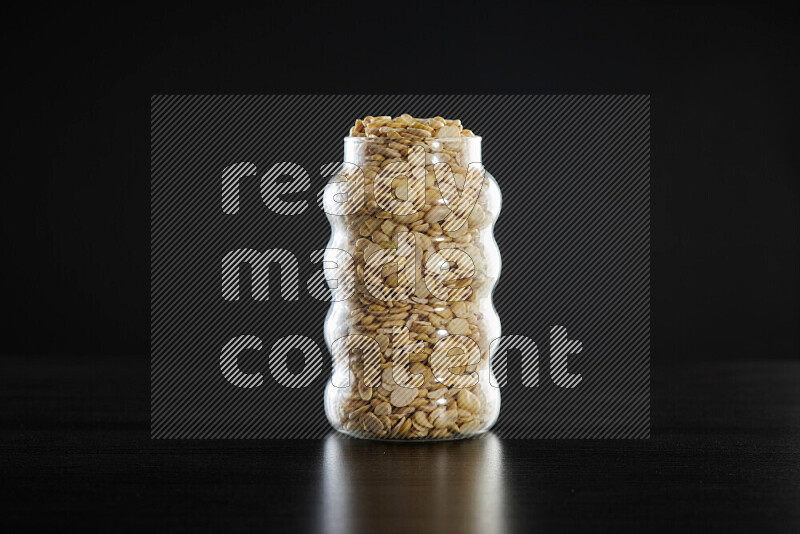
389,487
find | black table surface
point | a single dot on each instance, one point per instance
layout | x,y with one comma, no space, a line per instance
724,455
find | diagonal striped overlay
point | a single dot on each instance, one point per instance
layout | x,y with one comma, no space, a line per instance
574,235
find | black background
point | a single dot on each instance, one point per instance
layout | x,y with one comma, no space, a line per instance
723,79
724,164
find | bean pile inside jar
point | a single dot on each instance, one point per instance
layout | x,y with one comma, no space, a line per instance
433,409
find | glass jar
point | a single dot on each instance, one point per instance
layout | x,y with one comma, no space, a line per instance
415,263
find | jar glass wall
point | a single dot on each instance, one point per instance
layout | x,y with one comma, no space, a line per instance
412,341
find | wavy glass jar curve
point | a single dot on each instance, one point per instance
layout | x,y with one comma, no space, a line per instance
374,392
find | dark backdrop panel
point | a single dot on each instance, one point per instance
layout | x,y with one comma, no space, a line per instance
724,167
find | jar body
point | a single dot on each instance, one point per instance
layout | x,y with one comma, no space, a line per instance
412,322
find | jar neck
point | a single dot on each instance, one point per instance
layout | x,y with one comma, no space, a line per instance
460,151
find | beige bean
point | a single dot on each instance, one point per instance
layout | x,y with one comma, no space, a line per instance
458,326
402,396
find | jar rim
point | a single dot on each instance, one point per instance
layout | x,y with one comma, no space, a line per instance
442,139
